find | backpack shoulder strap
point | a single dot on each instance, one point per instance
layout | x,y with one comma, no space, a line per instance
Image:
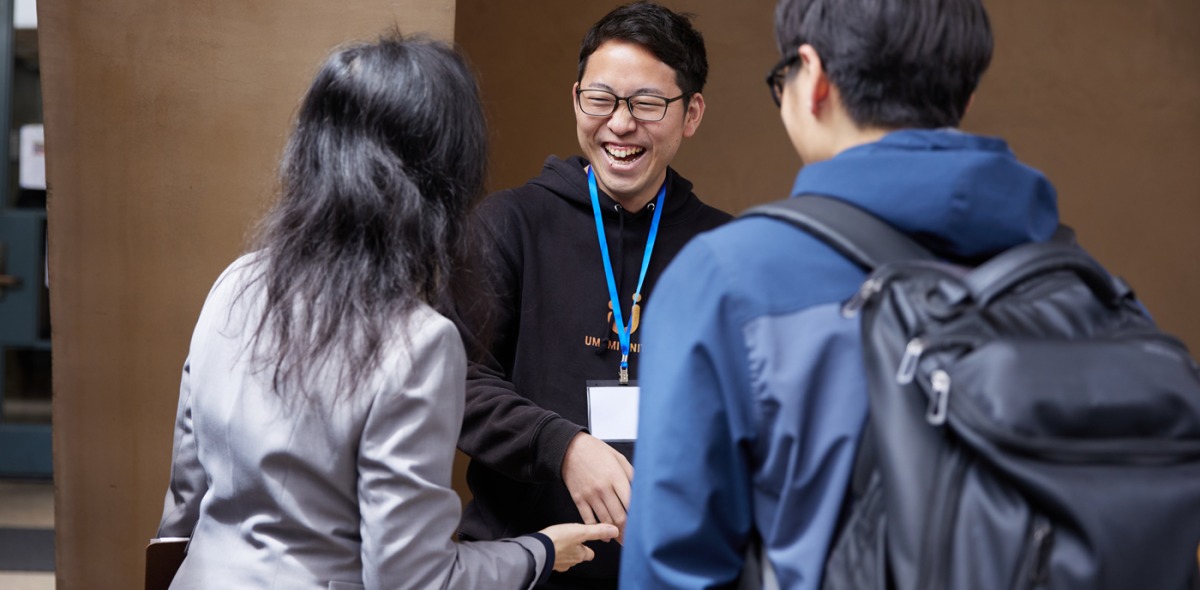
856,234
1008,269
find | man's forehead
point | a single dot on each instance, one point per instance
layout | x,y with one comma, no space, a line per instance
653,76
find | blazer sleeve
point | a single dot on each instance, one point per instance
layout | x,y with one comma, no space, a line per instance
189,482
409,512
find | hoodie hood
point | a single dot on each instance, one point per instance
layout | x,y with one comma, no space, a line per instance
568,179
962,195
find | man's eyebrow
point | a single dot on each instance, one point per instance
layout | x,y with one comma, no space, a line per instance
643,90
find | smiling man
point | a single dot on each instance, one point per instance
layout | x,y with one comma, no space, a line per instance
573,257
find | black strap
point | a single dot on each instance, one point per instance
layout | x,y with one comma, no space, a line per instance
1014,266
858,235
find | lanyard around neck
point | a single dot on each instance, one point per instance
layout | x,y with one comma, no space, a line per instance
622,328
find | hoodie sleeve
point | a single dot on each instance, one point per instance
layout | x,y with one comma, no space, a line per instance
503,429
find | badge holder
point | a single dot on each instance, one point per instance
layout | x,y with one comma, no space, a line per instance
613,410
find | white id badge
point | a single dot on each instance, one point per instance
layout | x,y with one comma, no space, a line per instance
613,410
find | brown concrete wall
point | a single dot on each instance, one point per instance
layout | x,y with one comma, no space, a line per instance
1104,95
164,121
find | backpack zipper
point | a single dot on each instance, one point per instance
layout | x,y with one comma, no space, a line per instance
1120,451
1032,571
939,386
917,347
908,363
879,278
866,291
938,542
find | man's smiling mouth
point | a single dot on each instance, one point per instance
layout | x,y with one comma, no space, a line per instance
624,154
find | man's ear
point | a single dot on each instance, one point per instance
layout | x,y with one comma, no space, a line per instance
816,89
695,112
574,96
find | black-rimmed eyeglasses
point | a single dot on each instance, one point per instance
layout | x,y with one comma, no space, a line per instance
778,75
643,107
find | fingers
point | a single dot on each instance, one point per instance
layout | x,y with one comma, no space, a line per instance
569,539
607,510
585,511
626,465
617,500
598,478
614,507
578,555
574,533
607,506
597,532
624,493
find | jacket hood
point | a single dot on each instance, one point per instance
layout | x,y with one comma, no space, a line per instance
961,195
568,179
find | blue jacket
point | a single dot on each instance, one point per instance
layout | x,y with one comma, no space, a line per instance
753,389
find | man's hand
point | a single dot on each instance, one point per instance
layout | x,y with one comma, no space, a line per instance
598,478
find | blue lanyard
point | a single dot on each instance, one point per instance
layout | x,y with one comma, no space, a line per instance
622,328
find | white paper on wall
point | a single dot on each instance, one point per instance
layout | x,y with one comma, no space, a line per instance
33,157
25,14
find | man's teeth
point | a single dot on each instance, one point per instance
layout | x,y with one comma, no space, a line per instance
624,152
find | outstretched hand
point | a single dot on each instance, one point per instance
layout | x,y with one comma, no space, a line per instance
568,539
598,478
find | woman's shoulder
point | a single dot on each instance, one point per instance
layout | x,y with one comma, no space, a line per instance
424,332
425,321
239,272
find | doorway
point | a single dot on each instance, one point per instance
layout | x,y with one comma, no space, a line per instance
24,289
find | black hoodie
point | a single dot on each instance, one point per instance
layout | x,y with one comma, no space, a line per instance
551,332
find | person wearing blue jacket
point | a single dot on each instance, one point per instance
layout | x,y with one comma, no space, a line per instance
753,385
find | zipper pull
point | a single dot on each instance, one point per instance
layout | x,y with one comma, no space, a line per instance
908,363
939,380
869,289
1043,534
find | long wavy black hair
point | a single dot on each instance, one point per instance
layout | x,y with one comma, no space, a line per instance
387,156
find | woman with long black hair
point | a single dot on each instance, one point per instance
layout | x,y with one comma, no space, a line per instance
323,395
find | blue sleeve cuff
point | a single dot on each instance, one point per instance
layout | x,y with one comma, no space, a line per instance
549,567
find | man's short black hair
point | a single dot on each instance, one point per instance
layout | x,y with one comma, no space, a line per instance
896,63
670,36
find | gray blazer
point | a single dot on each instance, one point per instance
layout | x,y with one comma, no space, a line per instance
278,491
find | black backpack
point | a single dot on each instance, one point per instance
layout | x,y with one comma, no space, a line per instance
1030,427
